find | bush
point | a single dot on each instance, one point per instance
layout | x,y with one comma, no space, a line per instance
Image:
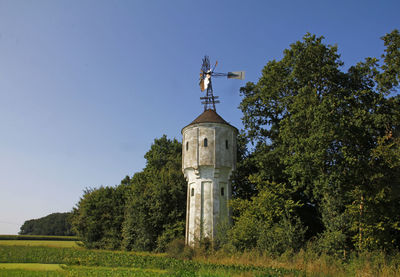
222,235
286,235
171,232
179,250
331,243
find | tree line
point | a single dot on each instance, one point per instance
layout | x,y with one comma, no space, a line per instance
144,212
319,164
55,224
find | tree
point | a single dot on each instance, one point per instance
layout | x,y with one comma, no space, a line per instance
321,132
155,212
267,221
98,216
55,224
144,212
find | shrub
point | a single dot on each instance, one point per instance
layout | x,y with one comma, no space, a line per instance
179,250
286,235
332,243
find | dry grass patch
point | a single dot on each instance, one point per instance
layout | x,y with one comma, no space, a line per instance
31,266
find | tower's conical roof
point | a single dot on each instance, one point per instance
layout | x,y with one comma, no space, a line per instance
209,116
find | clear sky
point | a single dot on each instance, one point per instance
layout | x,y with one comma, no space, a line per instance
86,86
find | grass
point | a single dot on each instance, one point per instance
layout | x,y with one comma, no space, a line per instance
83,262
313,265
47,243
63,258
38,237
116,270
31,273
31,266
25,269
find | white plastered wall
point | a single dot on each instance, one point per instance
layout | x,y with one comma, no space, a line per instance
207,170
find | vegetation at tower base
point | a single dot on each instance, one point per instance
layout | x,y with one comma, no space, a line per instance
325,162
55,224
144,212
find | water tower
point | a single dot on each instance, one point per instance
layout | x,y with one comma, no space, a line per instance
208,160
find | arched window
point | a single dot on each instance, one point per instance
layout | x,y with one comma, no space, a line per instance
222,191
187,146
226,144
192,194
205,142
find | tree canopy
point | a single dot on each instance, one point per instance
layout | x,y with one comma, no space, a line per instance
331,139
144,212
157,199
55,224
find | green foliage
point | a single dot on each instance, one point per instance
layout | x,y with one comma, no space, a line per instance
55,224
332,243
144,212
285,235
155,212
171,233
391,67
222,239
267,221
98,217
332,138
242,187
179,250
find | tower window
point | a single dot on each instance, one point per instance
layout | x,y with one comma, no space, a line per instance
192,193
222,191
205,142
187,146
226,144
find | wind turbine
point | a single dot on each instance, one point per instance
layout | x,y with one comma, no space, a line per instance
206,73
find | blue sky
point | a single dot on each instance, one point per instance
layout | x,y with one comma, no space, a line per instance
86,86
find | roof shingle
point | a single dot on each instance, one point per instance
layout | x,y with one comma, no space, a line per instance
209,116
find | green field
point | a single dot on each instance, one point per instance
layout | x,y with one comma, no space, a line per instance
49,243
65,258
30,267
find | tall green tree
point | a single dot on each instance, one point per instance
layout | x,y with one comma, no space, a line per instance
97,218
267,221
155,212
321,132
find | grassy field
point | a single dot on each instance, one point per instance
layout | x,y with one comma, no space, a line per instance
31,267
56,258
66,258
49,243
38,237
